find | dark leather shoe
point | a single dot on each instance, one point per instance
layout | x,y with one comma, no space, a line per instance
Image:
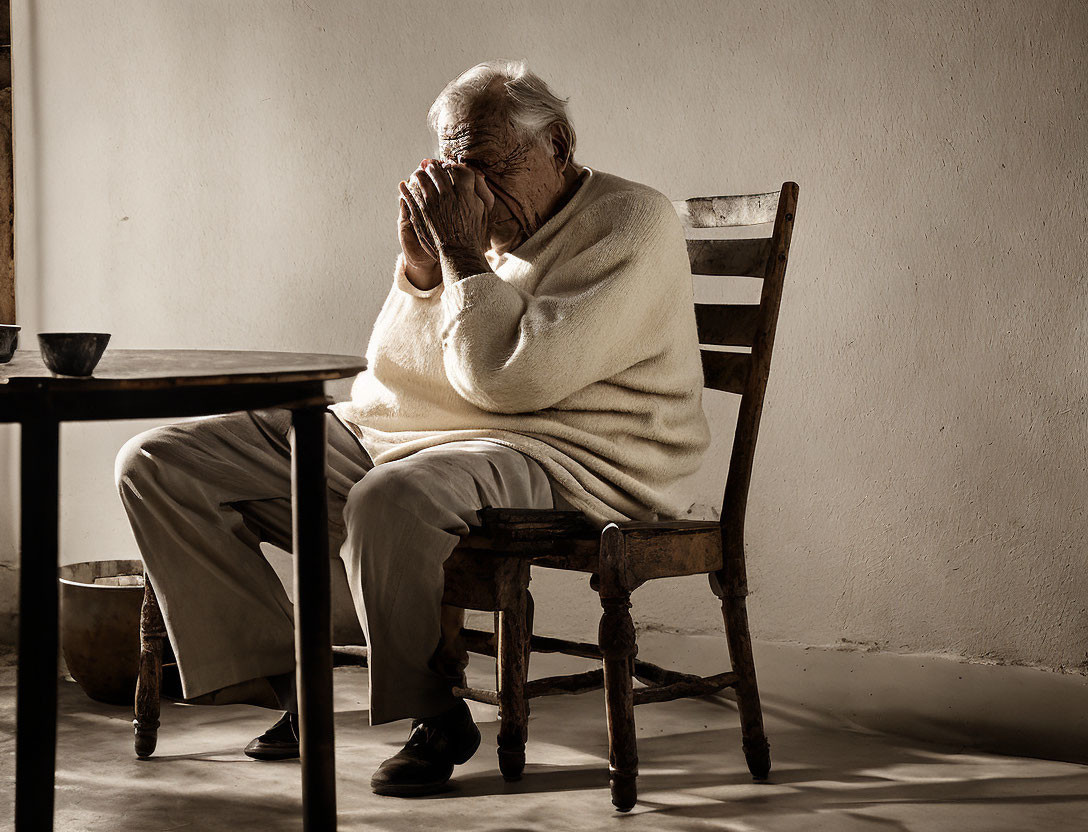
280,742
426,762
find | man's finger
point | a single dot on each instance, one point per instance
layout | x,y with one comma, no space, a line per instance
422,187
439,175
419,225
462,175
404,217
406,192
410,201
482,191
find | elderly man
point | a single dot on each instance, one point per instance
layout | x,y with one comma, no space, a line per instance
537,349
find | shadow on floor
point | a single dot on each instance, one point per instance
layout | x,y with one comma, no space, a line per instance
692,776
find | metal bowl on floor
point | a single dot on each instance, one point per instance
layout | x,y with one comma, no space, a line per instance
100,626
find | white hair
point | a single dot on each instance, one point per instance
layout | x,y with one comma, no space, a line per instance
530,106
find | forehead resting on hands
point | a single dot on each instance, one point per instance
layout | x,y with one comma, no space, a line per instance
482,138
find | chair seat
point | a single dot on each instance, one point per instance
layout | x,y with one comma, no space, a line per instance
567,540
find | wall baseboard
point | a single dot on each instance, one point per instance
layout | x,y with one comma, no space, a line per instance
1019,711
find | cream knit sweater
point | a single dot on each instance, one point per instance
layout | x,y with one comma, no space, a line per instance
580,351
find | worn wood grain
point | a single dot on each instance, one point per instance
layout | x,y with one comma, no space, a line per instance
696,686
727,211
506,525
149,678
577,555
617,639
488,697
350,655
567,683
512,636
544,644
744,257
664,552
655,675
483,642
754,743
735,499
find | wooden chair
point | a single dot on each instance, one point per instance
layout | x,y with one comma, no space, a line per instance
490,568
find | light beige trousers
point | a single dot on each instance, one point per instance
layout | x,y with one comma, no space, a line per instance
202,495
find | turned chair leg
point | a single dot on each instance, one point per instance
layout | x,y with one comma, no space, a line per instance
512,653
757,750
617,642
149,681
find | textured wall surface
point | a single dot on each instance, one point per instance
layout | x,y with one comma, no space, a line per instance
204,174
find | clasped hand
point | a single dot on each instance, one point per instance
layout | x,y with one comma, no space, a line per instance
444,206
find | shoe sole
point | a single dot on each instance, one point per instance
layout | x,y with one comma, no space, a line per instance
271,754
411,790
423,789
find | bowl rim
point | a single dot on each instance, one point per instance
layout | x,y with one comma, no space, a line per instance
69,334
130,562
111,587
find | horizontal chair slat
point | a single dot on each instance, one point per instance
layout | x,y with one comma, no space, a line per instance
655,675
483,643
349,655
570,683
680,690
727,324
727,371
548,686
488,697
545,644
727,211
738,258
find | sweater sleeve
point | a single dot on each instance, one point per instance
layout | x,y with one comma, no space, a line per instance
597,311
401,281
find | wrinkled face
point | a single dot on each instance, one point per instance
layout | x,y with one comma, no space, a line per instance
527,179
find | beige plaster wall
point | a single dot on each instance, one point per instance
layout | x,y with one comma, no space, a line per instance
205,174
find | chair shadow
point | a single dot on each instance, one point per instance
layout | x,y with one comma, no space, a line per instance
230,754
219,811
543,779
696,775
843,771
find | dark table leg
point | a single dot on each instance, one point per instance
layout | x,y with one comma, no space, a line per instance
36,704
313,619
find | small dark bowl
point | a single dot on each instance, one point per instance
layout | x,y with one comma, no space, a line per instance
72,353
9,341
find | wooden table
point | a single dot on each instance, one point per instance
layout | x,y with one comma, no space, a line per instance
132,384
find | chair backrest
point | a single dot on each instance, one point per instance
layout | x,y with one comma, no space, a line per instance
740,325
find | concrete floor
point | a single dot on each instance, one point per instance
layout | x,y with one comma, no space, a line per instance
692,774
